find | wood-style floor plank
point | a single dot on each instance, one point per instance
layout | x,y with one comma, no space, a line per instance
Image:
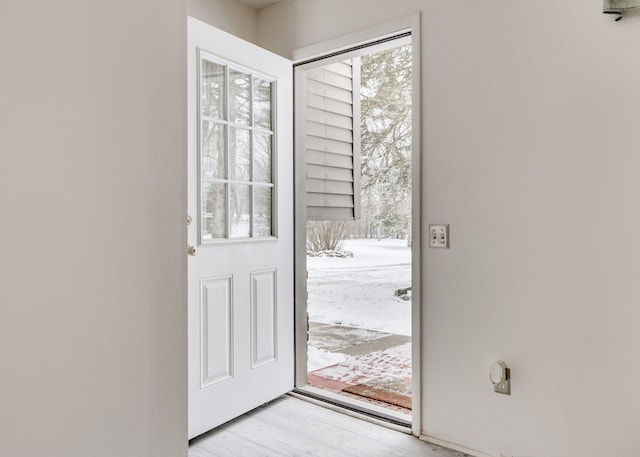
290,427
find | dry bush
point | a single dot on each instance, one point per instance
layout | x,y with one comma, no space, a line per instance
326,235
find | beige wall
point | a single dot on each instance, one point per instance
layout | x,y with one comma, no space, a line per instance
92,232
530,121
228,15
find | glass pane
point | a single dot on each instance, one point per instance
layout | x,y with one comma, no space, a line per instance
213,163
262,211
239,154
213,210
239,97
262,104
212,89
262,157
240,211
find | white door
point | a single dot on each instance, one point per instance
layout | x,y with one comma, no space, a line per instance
240,191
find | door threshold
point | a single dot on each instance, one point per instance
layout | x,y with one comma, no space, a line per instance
355,408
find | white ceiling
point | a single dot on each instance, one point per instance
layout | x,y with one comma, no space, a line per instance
259,4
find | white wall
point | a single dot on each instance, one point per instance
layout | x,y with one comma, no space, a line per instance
228,15
92,231
531,153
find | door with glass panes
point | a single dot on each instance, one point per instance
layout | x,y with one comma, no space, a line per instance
240,192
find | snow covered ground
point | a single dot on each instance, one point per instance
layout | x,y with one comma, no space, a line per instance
354,297
359,291
320,358
394,362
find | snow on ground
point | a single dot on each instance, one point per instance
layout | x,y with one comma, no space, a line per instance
392,362
320,358
359,291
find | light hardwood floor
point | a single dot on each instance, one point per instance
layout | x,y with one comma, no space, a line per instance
290,427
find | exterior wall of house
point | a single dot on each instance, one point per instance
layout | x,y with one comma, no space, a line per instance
228,15
530,146
92,230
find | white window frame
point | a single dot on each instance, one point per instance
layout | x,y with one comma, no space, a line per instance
202,56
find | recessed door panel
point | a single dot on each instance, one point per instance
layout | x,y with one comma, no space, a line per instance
264,311
217,330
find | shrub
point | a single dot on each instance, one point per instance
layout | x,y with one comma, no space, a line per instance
326,235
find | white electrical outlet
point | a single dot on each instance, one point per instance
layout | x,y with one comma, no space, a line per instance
439,236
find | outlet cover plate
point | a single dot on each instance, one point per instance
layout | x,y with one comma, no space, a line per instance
439,236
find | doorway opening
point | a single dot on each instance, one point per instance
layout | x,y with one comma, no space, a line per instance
359,175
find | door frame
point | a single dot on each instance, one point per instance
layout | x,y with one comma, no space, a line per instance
340,45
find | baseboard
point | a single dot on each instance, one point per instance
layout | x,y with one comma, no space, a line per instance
453,446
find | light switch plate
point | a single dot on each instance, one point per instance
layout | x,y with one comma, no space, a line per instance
439,236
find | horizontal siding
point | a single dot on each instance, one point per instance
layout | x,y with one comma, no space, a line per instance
329,135
329,118
329,77
329,173
328,145
329,159
329,104
318,186
341,68
326,90
330,200
327,131
329,214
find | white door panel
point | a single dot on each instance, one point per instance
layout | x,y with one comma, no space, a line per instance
241,203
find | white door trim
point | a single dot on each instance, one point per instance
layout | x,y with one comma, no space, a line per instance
412,24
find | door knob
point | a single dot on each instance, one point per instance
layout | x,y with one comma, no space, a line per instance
189,220
192,250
